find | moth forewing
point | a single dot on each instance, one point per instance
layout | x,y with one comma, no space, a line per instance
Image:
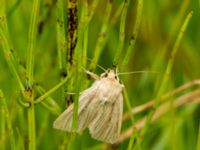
64,121
107,125
100,109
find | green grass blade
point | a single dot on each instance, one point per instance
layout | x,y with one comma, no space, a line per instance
2,123
60,35
29,93
9,58
167,74
198,139
8,122
102,36
41,98
32,41
135,33
121,33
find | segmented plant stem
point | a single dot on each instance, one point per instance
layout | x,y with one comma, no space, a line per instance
121,34
8,121
102,36
131,46
167,74
29,92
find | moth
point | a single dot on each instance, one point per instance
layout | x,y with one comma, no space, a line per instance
100,109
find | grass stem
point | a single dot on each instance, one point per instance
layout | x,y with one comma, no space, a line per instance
135,33
9,58
102,36
41,98
8,122
29,92
121,34
167,74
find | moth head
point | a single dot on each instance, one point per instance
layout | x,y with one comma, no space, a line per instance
110,74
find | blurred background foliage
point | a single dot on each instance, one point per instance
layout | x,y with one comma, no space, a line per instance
160,25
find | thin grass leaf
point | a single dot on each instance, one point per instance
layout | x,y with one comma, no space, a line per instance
8,121
3,123
46,94
9,58
102,36
121,33
198,139
29,73
135,33
60,36
167,74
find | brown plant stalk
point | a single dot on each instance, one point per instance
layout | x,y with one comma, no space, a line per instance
149,104
191,97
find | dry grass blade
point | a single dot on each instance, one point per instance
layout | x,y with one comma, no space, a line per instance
192,97
149,104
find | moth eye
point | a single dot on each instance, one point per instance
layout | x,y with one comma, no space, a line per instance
106,75
116,77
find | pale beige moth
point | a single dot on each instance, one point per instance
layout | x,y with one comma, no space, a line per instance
100,109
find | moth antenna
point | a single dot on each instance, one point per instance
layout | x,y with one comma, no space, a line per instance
102,68
116,70
135,72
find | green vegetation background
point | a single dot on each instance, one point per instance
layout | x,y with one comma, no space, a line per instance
160,25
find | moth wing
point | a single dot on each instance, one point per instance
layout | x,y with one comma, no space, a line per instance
64,121
107,124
